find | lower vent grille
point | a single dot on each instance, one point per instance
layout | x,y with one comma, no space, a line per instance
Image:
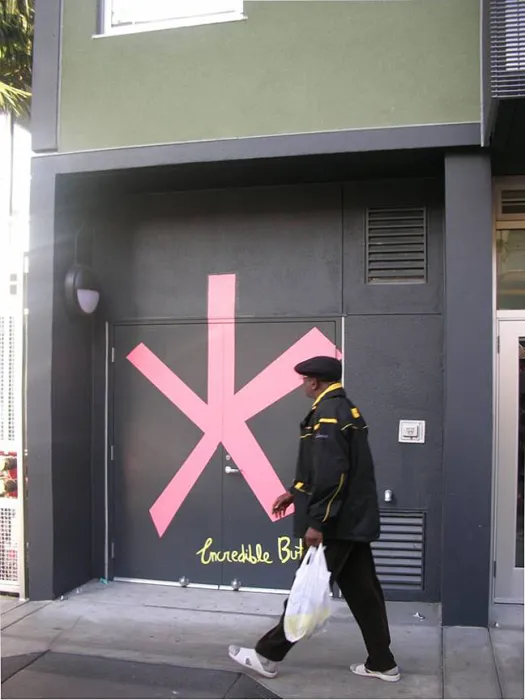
399,553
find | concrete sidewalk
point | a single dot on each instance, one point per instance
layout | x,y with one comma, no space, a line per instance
138,640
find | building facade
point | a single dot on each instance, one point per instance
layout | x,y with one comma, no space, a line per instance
248,184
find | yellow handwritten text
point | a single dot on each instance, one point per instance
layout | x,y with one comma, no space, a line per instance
247,554
288,553
251,553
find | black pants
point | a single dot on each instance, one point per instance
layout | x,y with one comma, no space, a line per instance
353,570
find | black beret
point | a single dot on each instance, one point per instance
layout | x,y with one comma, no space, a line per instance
326,369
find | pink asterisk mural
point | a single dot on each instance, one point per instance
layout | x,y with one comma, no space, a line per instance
223,418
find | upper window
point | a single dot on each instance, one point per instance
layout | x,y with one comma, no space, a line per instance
510,243
124,16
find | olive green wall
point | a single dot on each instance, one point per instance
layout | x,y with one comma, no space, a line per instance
290,67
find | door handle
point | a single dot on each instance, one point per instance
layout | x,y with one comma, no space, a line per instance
231,470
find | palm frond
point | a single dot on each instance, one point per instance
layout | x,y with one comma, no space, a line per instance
13,100
16,48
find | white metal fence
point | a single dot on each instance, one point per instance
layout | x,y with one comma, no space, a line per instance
9,545
7,381
15,164
11,424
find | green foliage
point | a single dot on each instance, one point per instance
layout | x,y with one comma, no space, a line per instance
16,55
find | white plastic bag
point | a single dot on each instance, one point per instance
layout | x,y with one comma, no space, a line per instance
309,605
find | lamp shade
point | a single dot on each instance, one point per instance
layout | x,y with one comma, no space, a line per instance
81,290
88,300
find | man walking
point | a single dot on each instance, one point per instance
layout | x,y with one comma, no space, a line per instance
335,500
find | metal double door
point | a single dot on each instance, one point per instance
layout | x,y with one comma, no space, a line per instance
203,434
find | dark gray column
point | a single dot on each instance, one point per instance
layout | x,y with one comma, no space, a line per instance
467,462
71,404
39,507
58,399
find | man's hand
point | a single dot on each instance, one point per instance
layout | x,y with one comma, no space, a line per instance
313,538
281,505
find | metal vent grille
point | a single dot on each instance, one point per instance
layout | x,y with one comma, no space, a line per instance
507,48
396,245
399,554
513,202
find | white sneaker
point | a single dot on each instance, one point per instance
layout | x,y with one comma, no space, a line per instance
253,661
390,676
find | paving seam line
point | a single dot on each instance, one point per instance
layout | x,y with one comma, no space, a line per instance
442,650
494,658
333,619
38,656
237,677
31,612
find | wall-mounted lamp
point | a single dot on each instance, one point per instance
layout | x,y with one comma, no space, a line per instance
82,292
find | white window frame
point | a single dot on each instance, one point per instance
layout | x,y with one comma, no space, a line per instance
507,221
108,29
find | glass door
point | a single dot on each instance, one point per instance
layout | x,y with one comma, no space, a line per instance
510,460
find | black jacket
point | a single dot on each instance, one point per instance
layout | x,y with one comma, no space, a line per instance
334,488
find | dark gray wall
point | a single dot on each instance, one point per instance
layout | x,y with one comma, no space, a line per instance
71,411
393,372
98,455
393,350
39,506
361,298
58,405
468,424
466,486
154,253
297,252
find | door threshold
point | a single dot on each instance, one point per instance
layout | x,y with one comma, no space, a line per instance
251,589
506,615
203,586
174,584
